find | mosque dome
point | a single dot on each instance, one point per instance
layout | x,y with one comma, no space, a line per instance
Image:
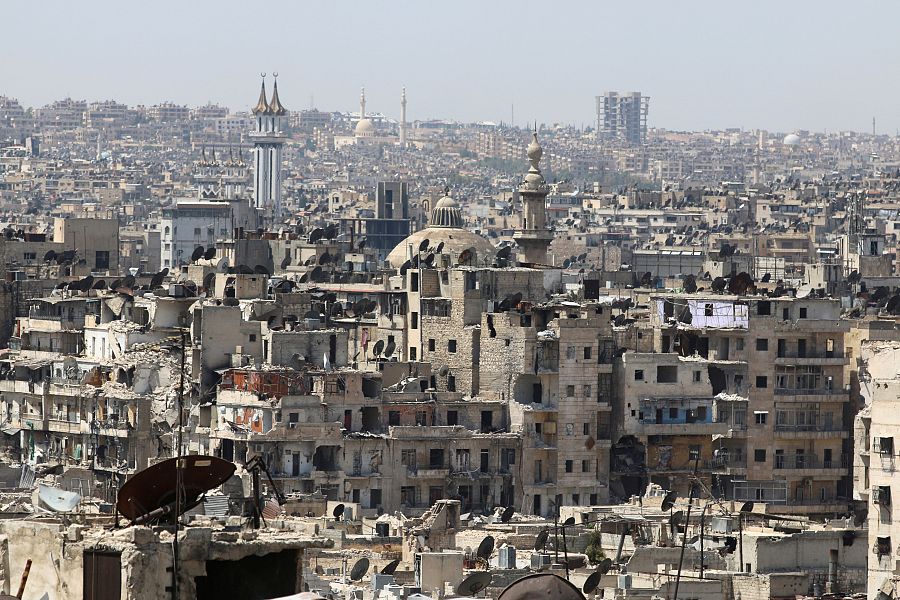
791,139
445,226
364,128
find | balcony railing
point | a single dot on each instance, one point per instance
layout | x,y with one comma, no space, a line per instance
810,461
808,427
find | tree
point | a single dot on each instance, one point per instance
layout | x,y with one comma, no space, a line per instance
594,549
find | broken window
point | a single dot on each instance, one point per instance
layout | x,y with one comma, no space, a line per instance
667,374
883,546
884,445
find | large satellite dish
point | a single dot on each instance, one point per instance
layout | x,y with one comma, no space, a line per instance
485,548
58,500
150,494
390,567
474,583
669,501
591,583
338,511
359,569
508,513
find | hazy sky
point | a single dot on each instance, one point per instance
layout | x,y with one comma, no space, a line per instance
779,65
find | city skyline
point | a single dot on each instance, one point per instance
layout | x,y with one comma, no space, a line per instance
781,76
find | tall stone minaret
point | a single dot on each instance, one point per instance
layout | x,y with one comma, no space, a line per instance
362,104
403,119
533,237
268,141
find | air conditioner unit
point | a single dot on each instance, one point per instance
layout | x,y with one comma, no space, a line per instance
292,425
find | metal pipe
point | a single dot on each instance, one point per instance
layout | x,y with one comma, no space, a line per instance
24,579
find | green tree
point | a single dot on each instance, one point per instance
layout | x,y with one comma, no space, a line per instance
594,549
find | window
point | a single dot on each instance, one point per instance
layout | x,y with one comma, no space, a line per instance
667,374
576,499
431,344
764,308
451,346
570,352
436,458
762,381
708,310
394,417
414,282
739,344
252,337
883,546
414,320
638,374
759,455
586,429
802,312
412,353
761,417
570,391
421,418
884,445
694,452
452,417
587,353
587,391
673,413
594,499
451,383
585,466
29,255
101,259
697,376
568,466
762,345
196,232
785,314
408,457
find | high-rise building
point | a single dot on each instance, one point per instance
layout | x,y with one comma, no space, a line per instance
622,117
268,141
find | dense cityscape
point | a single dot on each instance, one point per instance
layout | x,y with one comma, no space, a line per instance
269,351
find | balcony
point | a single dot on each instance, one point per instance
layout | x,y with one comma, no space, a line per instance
810,431
699,428
811,395
811,465
728,464
813,358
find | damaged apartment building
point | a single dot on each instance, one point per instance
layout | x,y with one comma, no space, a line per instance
751,391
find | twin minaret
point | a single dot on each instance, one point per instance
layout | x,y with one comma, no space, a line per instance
268,142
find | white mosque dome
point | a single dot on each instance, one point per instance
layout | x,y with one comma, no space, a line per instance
364,128
791,139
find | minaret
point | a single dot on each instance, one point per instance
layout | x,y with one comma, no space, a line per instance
403,119
362,104
533,237
268,141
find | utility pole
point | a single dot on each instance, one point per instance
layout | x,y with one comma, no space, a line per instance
179,475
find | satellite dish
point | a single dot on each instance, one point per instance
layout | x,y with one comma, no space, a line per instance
591,583
747,507
359,569
541,585
443,371
285,263
315,235
677,518
128,282
198,253
58,500
485,548
100,284
391,567
669,501
210,253
50,255
379,347
541,540
604,566
208,280
405,267
474,583
231,301
508,513
261,270
439,248
325,258
150,494
389,349
338,511
569,521
423,245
